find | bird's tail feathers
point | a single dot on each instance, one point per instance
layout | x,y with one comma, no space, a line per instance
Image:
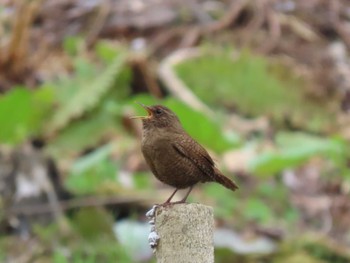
222,179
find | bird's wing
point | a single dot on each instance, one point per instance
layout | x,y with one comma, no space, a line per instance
193,151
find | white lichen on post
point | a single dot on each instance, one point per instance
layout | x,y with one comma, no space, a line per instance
186,233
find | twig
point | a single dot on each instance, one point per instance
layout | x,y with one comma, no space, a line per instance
163,38
97,25
256,23
175,85
274,30
144,76
203,17
228,18
299,27
18,46
338,25
191,37
73,203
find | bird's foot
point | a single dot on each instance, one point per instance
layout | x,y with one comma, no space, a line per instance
173,203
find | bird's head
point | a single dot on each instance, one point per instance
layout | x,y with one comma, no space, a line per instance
158,117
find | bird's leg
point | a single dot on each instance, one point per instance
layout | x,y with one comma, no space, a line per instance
183,200
169,199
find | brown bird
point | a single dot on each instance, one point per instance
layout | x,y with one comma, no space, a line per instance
174,157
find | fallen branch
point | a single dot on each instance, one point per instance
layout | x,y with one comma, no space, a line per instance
73,203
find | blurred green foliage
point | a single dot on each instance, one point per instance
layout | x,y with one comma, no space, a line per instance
82,93
89,85
303,249
295,148
98,226
90,100
225,202
254,86
92,171
257,210
89,239
80,112
310,248
23,113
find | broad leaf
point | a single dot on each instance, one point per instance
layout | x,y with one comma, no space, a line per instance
294,149
22,113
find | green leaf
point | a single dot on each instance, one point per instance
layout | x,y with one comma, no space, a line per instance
272,190
90,160
93,223
87,93
72,44
22,113
294,149
82,134
255,209
107,51
310,143
92,171
291,215
142,180
225,199
58,257
84,69
254,86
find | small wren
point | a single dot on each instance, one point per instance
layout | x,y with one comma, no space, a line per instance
173,156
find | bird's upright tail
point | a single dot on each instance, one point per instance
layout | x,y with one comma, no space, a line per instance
222,179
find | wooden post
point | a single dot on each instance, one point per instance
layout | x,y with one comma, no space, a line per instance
185,232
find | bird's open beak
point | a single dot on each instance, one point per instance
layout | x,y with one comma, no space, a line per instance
148,109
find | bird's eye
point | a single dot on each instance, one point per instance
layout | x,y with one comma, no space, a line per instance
159,111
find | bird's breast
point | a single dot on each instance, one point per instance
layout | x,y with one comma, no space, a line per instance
167,164
153,147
